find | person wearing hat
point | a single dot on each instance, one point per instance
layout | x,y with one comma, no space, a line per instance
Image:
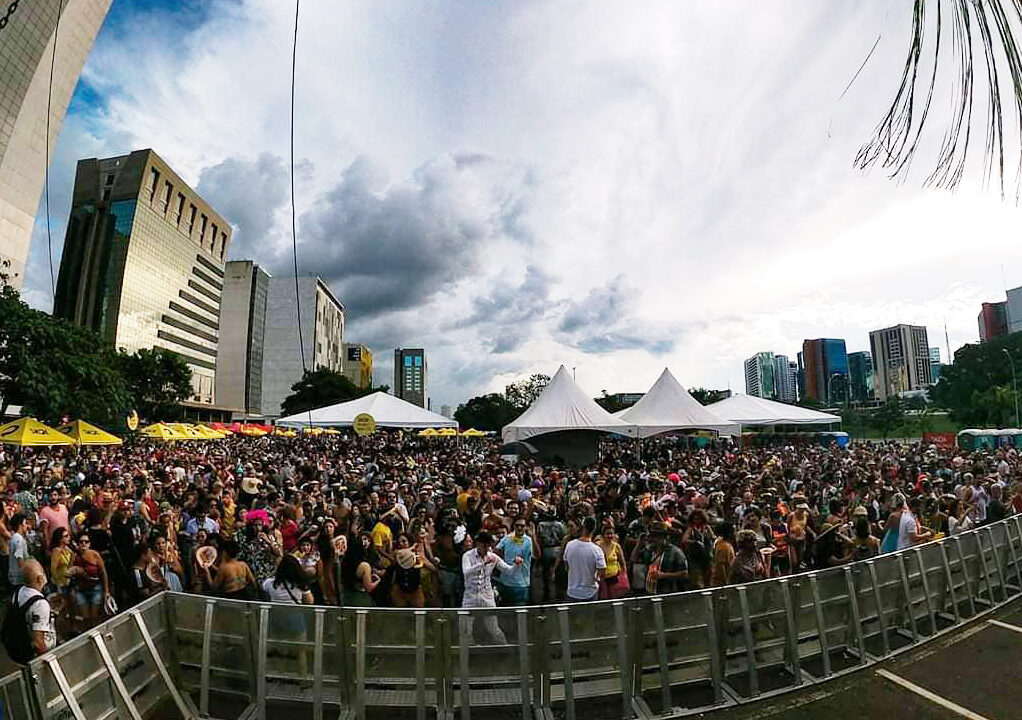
666,565
406,587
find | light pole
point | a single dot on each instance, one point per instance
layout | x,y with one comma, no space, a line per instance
830,387
1014,383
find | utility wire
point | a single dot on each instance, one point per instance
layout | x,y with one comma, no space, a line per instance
46,175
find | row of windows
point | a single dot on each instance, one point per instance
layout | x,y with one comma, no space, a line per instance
416,361
182,220
181,325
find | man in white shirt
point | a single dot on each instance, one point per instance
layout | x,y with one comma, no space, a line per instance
39,617
477,566
586,564
908,530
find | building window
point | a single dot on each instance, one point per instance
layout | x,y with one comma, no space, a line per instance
191,218
212,238
106,194
223,245
109,179
168,191
154,182
202,229
180,209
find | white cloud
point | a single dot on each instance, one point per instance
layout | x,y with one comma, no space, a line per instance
664,184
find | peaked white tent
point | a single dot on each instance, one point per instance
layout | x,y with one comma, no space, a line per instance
387,410
749,410
563,405
668,406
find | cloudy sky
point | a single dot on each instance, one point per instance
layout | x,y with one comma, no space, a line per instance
617,187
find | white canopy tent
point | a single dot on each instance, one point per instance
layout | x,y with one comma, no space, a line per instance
669,406
563,405
387,410
754,411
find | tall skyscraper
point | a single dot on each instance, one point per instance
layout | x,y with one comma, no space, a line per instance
357,364
410,375
239,367
26,51
759,375
860,376
322,332
826,370
934,365
143,262
993,321
901,360
785,383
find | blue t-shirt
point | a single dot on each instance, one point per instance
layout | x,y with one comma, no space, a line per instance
520,575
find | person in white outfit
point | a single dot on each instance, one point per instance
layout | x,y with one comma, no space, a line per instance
477,565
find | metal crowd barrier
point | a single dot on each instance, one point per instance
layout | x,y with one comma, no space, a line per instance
190,656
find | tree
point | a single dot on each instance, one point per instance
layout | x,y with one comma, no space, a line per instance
522,393
976,369
707,397
158,380
888,416
321,387
486,412
54,369
997,405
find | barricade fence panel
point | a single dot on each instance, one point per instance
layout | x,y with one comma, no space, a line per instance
190,656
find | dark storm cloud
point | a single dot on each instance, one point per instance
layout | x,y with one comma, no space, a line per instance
506,316
252,195
603,322
386,248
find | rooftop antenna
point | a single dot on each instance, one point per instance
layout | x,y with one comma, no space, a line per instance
947,343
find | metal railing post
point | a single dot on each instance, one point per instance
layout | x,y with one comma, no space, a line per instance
971,596
661,651
906,590
750,641
317,663
1013,547
918,553
994,558
464,636
950,582
344,669
621,638
821,624
879,601
207,642
361,619
569,684
522,624
791,632
853,606
716,660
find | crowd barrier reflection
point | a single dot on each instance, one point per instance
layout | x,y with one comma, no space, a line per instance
190,656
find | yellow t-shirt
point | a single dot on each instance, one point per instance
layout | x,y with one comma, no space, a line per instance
611,555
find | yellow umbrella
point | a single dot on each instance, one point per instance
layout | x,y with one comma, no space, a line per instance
331,431
85,434
161,431
428,432
447,432
284,432
29,432
472,432
188,430
252,431
209,433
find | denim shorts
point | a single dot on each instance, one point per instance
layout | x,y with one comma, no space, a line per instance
87,597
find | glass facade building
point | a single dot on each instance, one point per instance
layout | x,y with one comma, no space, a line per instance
759,375
860,377
143,263
825,370
410,375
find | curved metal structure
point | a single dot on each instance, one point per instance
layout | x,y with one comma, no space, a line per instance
191,656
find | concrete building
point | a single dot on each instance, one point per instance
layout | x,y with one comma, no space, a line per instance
785,382
446,411
759,375
825,370
410,376
860,377
27,45
322,333
1013,310
934,365
357,364
143,263
901,360
239,367
993,321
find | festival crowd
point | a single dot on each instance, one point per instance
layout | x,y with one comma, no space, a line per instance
402,521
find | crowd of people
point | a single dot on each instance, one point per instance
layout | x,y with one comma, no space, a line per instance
396,520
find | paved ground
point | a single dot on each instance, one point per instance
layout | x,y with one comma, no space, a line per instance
977,670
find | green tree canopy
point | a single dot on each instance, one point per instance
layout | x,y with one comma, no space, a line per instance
321,387
966,387
522,393
486,412
888,416
707,397
158,380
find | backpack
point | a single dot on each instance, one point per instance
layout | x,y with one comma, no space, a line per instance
15,635
407,580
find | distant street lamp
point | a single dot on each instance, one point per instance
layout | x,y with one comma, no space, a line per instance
1014,382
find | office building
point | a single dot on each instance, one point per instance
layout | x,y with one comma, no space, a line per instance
1013,311
625,399
993,321
934,365
825,370
321,331
759,375
794,375
239,367
446,411
901,360
785,382
410,375
26,53
357,364
143,263
860,377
